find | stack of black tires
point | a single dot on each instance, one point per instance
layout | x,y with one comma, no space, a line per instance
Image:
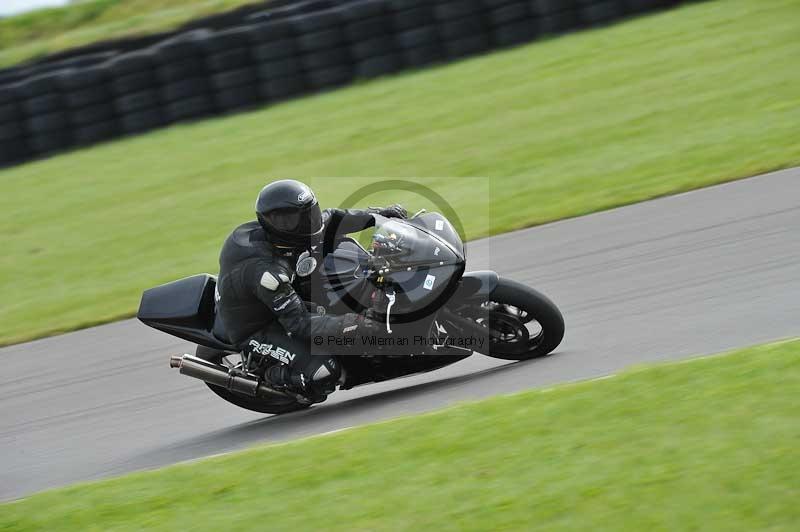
369,31
324,49
89,101
134,86
462,27
45,111
230,64
13,141
278,65
510,22
416,33
279,53
183,80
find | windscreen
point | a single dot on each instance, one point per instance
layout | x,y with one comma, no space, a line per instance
404,244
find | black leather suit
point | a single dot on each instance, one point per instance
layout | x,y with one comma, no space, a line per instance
260,308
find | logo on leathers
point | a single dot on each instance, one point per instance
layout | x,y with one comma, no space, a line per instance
275,352
306,264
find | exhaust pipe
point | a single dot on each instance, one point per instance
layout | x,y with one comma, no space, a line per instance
217,375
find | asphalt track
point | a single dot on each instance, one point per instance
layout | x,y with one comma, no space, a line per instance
695,273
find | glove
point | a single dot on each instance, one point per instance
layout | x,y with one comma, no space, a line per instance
392,211
354,324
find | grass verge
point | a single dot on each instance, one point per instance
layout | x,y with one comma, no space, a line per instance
659,105
44,31
705,445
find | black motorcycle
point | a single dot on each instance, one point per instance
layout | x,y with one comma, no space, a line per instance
411,279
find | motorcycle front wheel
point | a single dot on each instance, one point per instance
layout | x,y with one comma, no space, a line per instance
522,323
256,404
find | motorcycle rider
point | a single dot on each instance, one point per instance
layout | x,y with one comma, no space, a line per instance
259,307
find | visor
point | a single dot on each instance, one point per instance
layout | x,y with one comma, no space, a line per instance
299,222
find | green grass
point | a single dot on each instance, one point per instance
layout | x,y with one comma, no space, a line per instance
710,444
44,31
659,105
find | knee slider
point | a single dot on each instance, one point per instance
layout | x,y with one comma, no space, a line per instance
324,371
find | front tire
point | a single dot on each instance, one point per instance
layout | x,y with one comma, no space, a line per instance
256,404
523,323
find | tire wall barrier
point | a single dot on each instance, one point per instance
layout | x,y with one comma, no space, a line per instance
268,56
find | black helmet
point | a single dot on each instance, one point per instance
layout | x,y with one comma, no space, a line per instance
289,213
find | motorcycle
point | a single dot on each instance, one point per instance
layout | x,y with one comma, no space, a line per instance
411,278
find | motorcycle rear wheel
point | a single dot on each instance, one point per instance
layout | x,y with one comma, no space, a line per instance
256,404
523,323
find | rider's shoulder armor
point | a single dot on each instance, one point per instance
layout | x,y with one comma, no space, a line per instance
248,250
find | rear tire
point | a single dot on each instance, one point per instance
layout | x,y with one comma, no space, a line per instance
256,404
